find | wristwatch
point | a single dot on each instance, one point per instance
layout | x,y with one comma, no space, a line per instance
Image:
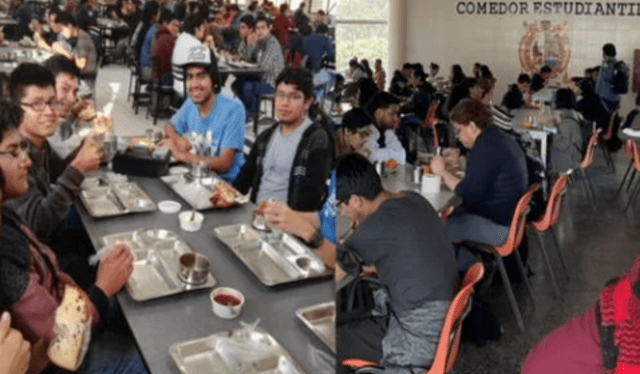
316,240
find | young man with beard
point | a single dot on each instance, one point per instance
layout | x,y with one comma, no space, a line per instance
291,161
208,121
384,143
54,183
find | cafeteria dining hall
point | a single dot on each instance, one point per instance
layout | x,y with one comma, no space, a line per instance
236,186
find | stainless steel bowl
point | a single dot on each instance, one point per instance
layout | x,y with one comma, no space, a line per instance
194,268
260,223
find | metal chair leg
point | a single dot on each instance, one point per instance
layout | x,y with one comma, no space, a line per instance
512,297
559,249
626,174
633,175
523,273
633,196
546,260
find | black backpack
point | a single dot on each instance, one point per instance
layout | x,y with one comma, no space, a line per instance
620,80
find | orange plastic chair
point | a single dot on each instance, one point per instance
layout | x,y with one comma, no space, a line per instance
431,120
587,160
636,167
449,341
514,238
548,221
628,153
446,213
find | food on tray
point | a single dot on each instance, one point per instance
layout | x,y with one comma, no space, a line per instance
223,196
72,329
391,164
103,124
140,142
426,169
527,124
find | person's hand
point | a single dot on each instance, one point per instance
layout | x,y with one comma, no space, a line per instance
89,156
437,165
180,144
114,270
14,350
279,215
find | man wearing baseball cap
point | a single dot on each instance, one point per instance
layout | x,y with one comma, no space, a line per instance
209,126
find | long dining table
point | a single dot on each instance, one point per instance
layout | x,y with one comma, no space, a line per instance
157,324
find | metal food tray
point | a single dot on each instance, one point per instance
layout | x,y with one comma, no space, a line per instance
234,352
156,254
274,258
195,191
321,320
104,198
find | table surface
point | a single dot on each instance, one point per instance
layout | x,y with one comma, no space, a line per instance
159,323
402,180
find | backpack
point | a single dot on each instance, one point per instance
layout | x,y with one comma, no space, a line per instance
620,80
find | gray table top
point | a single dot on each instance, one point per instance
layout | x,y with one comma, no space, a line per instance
159,323
402,180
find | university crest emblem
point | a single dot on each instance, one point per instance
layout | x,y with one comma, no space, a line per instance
544,44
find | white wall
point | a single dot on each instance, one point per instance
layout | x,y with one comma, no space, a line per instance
436,32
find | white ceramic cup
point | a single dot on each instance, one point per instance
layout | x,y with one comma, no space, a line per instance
431,183
226,310
189,224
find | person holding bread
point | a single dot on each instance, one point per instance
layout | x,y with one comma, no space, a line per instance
33,287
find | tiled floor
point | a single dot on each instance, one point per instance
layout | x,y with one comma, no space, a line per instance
598,245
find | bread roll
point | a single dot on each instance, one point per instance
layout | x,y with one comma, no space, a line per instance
142,143
72,329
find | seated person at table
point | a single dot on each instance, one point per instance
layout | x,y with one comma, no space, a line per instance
146,45
350,138
566,144
291,161
496,176
403,237
45,39
591,106
517,95
163,49
270,58
67,78
208,121
247,50
603,339
32,283
83,52
384,144
192,36
54,183
484,89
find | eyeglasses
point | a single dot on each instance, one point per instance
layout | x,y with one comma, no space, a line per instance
292,96
22,148
38,106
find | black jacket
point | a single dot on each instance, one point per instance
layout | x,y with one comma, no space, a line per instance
311,168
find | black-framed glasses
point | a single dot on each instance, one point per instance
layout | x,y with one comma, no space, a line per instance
39,106
22,148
